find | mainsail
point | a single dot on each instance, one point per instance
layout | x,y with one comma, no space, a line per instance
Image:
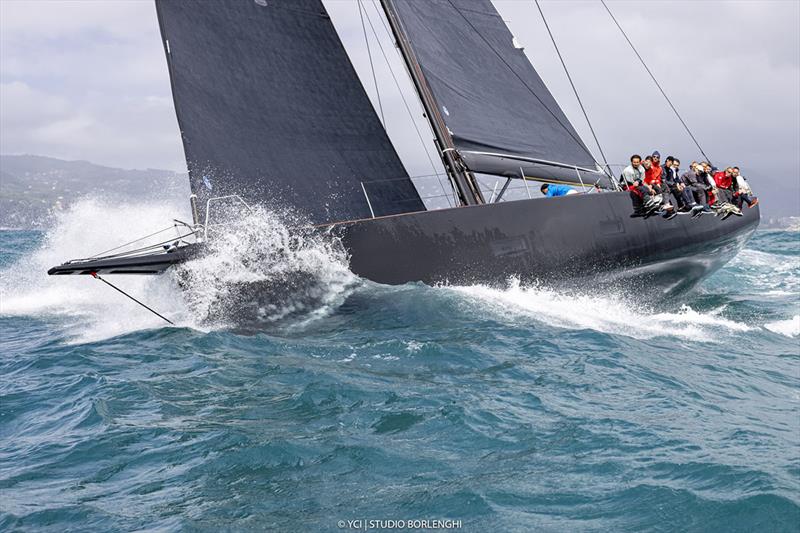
271,109
499,112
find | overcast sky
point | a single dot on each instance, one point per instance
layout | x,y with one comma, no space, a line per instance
88,80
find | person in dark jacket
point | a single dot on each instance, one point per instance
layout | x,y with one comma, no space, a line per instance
646,204
694,185
706,175
669,184
676,186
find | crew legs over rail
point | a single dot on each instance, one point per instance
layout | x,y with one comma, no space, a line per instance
663,189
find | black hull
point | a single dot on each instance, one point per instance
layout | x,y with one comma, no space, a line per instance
587,239
578,239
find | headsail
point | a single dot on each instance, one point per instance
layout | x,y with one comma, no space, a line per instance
497,108
270,108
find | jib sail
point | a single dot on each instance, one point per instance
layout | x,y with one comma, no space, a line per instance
271,109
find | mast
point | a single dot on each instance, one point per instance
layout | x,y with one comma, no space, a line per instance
463,181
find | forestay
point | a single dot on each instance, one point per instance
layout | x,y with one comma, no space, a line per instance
270,108
500,113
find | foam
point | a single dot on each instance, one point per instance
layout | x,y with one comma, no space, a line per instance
789,328
265,248
88,309
606,313
246,252
265,266
769,271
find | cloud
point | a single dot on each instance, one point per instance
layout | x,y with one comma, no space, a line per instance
731,68
88,80
23,106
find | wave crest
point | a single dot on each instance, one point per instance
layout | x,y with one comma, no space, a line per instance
789,328
604,312
259,267
264,266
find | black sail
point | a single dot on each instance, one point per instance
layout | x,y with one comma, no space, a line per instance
270,108
499,111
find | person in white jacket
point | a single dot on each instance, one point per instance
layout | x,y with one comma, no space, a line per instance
743,194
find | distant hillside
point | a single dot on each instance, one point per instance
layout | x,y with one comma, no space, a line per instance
33,187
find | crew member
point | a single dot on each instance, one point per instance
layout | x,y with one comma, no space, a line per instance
557,190
708,176
743,194
724,181
633,172
676,186
694,184
653,173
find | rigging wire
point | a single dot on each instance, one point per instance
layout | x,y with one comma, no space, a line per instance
371,66
575,90
137,240
514,72
130,253
655,81
403,97
97,276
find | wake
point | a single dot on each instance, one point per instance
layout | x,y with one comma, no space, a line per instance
607,313
788,328
263,268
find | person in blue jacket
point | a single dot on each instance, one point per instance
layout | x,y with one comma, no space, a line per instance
557,190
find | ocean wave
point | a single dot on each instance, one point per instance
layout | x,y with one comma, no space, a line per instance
463,402
265,266
601,312
301,273
770,261
90,310
761,271
789,328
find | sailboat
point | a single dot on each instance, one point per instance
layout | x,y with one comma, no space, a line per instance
271,110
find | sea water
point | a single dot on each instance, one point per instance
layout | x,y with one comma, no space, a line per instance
356,406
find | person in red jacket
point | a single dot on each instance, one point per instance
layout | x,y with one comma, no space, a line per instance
653,176
653,173
724,181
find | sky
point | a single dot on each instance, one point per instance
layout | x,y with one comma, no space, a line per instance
88,80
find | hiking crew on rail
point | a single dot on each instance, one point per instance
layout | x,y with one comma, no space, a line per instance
702,189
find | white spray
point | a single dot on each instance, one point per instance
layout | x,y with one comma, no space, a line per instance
263,266
246,257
